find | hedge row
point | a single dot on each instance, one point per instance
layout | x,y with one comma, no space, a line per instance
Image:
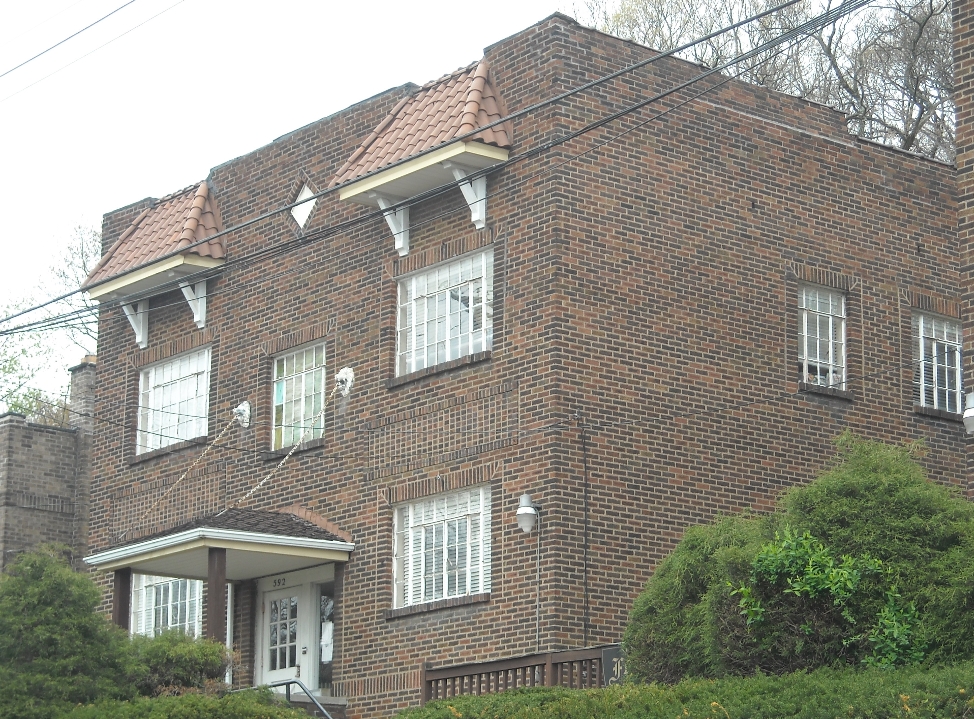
942,693
243,705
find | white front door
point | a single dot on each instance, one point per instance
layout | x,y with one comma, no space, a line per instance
285,633
288,625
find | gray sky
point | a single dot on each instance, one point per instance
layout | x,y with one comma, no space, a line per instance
199,83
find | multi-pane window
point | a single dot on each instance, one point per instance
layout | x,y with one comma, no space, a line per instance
445,312
821,340
937,376
162,603
442,547
173,400
299,394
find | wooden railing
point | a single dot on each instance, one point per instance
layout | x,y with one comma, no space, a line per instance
578,669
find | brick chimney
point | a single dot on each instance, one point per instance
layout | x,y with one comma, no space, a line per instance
82,397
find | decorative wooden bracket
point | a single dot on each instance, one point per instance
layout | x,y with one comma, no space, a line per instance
196,297
474,192
398,221
138,317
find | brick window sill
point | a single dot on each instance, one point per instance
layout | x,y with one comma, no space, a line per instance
437,605
938,413
168,449
279,454
437,369
844,394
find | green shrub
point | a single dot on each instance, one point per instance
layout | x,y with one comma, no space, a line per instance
241,705
870,563
173,661
680,623
878,502
942,693
55,649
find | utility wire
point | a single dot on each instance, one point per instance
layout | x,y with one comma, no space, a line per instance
285,247
524,111
58,44
105,44
45,20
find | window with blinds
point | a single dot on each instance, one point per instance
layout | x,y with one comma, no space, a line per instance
937,375
442,547
163,603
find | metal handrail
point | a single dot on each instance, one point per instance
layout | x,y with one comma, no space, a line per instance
286,683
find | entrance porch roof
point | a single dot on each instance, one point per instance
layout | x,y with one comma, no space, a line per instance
258,543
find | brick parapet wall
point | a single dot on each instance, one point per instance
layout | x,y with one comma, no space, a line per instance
647,291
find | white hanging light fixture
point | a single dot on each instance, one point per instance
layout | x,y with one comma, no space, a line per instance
527,514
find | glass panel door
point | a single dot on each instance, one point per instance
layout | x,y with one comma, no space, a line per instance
284,634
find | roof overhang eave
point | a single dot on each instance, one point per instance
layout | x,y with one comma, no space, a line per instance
183,553
144,281
427,172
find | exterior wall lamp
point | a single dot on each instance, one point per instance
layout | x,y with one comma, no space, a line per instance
968,415
528,517
527,512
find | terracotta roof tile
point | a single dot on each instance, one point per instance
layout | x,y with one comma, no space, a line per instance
436,113
173,223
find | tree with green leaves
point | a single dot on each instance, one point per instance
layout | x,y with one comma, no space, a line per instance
61,659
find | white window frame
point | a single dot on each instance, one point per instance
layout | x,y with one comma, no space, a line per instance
290,385
156,599
174,398
938,376
423,568
302,212
460,293
822,359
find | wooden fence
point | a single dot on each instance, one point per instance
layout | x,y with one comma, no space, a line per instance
578,669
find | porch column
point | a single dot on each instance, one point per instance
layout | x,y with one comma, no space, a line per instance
122,598
216,594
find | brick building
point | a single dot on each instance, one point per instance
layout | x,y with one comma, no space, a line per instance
45,475
641,326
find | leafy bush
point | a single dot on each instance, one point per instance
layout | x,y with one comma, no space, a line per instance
55,650
173,661
871,563
241,705
943,693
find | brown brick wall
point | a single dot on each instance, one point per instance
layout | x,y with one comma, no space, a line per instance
40,481
646,293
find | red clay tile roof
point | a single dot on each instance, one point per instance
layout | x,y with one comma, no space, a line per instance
171,224
436,113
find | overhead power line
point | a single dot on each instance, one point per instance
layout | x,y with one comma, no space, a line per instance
91,52
512,116
803,30
58,44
